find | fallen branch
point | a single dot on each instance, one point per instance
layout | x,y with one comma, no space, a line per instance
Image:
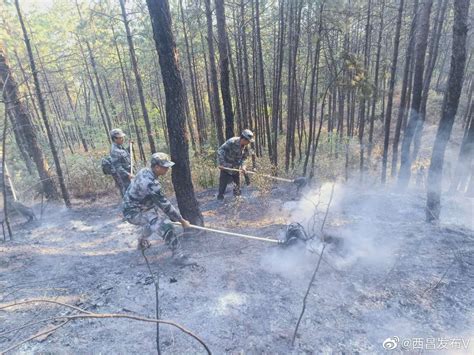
37,335
87,314
156,282
313,277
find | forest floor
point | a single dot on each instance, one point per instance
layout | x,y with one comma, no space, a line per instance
385,274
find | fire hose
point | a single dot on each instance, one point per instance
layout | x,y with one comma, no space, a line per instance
246,236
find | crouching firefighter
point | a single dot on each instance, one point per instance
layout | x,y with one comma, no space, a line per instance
143,201
232,155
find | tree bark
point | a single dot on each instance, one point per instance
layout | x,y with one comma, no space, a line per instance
42,106
175,111
391,89
138,79
430,65
224,68
415,117
24,127
216,107
404,95
450,106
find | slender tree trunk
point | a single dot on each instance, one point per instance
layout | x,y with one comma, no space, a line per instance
197,108
376,83
130,100
224,68
42,106
4,175
262,78
94,92
420,50
216,107
431,61
276,100
175,111
391,89
24,127
76,118
138,79
363,100
404,96
450,106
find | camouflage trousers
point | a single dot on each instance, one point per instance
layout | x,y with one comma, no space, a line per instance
151,223
226,178
121,183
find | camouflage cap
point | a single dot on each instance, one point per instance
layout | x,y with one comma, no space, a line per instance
116,133
161,159
248,134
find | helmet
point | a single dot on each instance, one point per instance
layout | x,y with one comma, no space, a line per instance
161,159
247,134
116,133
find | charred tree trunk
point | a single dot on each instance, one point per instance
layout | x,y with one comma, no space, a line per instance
224,68
175,110
277,89
404,95
415,117
42,106
393,74
263,88
431,61
450,106
376,84
362,109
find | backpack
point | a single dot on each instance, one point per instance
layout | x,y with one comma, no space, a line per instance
107,166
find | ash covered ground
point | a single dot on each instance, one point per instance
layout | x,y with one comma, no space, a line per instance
385,273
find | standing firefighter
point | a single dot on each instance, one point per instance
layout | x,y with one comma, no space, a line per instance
232,154
146,194
120,159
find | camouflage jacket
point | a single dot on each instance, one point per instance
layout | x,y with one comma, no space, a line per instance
230,155
120,160
144,193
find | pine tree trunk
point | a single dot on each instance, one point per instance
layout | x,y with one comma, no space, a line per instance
415,114
175,109
130,100
42,106
431,61
224,68
276,99
138,79
376,83
263,89
391,89
216,107
404,95
450,106
24,127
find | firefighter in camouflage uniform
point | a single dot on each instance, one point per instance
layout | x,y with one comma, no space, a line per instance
232,154
146,205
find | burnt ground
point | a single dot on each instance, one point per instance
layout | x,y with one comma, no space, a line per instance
386,273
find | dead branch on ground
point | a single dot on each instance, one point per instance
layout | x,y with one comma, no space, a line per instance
313,277
156,282
86,314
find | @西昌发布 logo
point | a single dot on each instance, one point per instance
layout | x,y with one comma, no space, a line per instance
391,343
